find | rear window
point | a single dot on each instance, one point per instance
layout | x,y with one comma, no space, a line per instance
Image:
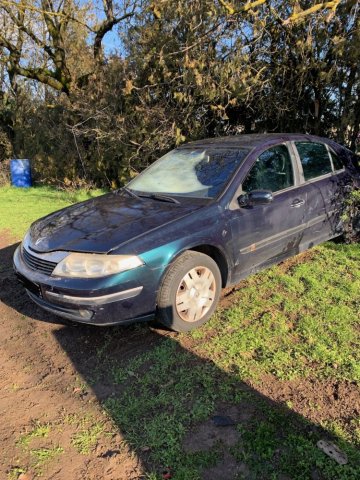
314,158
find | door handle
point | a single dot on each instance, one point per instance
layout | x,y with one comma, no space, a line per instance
297,203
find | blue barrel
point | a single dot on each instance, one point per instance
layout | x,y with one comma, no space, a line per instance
20,173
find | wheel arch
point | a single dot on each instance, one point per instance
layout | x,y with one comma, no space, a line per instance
218,256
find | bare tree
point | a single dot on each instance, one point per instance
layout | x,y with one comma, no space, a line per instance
57,18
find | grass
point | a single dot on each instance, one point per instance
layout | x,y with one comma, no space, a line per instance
44,455
15,472
87,434
293,322
296,322
21,206
164,392
39,456
169,390
86,439
278,445
39,430
171,383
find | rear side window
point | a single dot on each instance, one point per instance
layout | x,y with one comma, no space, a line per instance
314,158
338,164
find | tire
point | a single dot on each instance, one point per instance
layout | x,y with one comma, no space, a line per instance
189,292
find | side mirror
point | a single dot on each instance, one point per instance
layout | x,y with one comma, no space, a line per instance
256,197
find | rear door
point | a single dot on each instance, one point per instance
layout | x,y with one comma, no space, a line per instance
323,178
265,234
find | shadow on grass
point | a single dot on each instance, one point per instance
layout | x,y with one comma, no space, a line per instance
167,402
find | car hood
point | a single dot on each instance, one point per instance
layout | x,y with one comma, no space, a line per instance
105,223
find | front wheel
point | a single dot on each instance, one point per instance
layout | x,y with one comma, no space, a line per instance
189,292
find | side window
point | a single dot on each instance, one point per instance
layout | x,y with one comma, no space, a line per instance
338,164
272,171
314,158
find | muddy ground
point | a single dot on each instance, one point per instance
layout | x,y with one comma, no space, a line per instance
42,370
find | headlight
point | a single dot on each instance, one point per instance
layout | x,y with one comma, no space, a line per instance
88,265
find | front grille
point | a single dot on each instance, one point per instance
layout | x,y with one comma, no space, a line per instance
38,264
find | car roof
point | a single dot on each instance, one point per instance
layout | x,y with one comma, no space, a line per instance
253,140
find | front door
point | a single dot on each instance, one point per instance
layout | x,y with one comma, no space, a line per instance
266,234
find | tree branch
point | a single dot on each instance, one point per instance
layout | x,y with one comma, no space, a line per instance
19,22
43,76
232,10
8,45
105,27
332,5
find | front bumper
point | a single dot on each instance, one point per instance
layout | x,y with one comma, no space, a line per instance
123,298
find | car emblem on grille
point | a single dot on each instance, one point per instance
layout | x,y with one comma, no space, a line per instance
39,240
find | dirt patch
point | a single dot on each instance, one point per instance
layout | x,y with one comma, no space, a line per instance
39,385
228,294
227,469
221,432
207,435
296,260
6,238
316,400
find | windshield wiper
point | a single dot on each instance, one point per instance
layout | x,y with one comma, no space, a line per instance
129,192
161,197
